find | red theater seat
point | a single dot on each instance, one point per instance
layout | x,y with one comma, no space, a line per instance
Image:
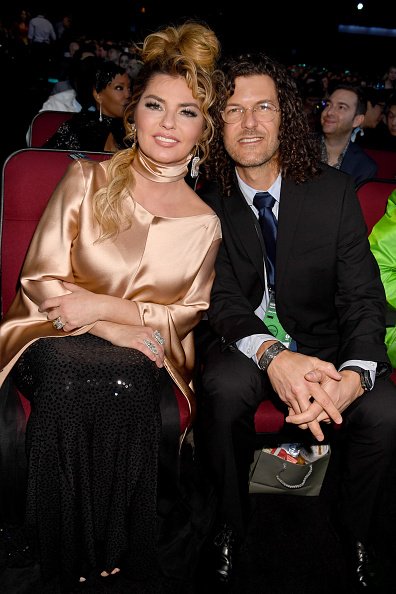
373,195
386,161
44,125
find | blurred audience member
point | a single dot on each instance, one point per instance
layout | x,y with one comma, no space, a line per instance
62,98
113,54
20,28
41,35
312,95
102,129
375,108
390,79
385,134
374,117
343,113
391,118
134,66
123,60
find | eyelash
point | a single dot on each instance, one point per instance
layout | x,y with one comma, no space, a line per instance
189,113
157,107
153,105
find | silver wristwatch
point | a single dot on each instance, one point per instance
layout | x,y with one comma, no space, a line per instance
270,354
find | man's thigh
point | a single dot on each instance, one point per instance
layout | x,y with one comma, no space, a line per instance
375,411
231,377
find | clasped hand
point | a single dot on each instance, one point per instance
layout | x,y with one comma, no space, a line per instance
310,387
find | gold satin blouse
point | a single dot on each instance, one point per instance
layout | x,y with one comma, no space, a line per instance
165,265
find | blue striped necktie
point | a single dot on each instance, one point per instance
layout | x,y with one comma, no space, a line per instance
264,203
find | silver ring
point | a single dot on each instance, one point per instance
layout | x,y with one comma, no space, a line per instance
58,324
150,345
158,337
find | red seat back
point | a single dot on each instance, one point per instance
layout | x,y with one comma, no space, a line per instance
44,125
386,161
373,195
268,418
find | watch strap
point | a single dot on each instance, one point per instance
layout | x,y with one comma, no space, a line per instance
365,378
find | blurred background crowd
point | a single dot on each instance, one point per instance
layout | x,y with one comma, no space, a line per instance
44,48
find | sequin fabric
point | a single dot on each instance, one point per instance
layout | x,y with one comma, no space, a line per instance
92,443
84,132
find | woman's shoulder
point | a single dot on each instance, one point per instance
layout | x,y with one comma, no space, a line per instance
90,168
199,206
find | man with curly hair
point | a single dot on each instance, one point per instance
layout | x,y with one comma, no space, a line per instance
297,308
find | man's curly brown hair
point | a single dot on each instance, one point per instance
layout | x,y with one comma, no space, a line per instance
298,149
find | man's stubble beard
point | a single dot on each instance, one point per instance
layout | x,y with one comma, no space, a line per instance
254,161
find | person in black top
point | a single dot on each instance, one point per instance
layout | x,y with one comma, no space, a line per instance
99,127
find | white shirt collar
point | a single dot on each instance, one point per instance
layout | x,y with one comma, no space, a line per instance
250,192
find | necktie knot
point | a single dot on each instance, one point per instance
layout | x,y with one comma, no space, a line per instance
263,200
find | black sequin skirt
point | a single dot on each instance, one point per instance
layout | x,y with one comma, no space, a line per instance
92,444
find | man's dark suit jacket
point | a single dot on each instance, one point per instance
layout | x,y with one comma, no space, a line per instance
358,164
329,295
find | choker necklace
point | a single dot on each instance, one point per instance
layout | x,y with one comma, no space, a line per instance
158,172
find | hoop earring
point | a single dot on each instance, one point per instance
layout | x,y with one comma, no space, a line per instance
194,163
100,113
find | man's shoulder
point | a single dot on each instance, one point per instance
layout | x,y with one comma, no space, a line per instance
358,163
356,149
208,189
328,177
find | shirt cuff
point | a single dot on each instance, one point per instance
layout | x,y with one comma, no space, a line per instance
249,345
370,366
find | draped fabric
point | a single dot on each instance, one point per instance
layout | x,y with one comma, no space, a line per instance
165,265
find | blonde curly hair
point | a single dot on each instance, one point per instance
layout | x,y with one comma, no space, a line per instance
190,51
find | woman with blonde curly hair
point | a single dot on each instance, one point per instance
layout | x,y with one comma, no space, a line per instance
117,275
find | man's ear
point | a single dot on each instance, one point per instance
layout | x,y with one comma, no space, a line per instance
358,120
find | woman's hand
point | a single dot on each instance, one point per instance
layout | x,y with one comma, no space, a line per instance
75,309
143,338
80,307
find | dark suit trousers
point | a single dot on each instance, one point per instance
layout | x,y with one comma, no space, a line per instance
232,387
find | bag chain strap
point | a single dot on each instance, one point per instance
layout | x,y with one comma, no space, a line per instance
306,477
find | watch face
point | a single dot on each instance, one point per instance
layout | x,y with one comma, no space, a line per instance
367,384
365,376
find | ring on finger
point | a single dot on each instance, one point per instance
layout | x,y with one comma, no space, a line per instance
58,324
150,345
158,337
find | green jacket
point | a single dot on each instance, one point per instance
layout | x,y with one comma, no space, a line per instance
383,245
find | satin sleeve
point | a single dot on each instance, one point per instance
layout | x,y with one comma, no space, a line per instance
46,265
176,320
